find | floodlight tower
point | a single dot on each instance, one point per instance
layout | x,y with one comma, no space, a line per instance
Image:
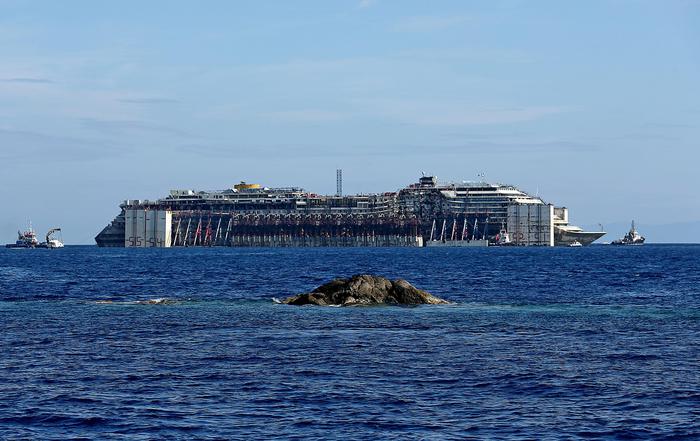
339,182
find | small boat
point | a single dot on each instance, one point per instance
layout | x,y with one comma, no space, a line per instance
51,242
575,243
503,238
631,238
26,239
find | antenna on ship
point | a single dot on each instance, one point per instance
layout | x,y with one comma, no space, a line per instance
339,182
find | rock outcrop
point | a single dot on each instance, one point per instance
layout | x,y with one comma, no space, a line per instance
365,289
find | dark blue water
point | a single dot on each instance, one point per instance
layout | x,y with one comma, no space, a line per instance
599,342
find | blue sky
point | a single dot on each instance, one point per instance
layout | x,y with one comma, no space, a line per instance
594,105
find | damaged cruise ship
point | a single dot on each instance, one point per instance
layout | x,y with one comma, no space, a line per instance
421,213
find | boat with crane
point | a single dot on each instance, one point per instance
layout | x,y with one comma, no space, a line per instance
52,242
28,239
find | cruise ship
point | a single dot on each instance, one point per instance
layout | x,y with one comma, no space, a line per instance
253,215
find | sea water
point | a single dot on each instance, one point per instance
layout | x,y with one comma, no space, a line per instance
541,343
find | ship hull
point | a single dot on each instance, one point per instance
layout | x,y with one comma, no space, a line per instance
583,237
113,235
457,243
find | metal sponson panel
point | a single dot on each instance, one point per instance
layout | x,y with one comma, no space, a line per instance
147,228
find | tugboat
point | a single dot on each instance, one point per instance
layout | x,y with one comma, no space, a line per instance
503,238
26,239
631,238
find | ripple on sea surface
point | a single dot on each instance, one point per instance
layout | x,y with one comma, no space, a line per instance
582,348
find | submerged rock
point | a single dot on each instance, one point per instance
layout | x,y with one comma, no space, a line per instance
365,289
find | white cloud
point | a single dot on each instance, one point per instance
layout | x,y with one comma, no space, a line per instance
27,80
454,114
20,147
122,127
428,23
307,115
366,3
148,100
422,113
